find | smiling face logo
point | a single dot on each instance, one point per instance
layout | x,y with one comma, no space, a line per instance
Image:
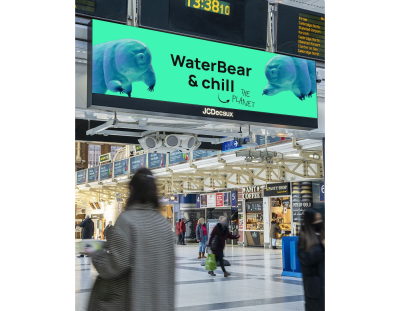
227,101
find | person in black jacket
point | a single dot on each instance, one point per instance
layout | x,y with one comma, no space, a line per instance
87,229
107,228
220,233
311,253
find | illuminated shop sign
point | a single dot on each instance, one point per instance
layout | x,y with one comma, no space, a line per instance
253,192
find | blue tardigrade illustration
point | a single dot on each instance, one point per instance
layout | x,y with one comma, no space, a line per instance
117,64
286,73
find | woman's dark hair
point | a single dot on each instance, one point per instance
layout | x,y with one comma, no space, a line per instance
143,189
179,220
307,237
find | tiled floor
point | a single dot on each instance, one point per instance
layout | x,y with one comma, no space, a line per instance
255,284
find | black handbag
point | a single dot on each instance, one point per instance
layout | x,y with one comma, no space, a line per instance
214,243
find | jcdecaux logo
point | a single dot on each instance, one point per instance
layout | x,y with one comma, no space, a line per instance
213,112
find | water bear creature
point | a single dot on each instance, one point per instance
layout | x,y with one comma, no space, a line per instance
286,73
117,64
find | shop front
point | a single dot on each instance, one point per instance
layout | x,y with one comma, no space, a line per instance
278,202
168,207
253,216
306,194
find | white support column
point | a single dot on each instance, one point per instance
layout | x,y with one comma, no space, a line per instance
267,222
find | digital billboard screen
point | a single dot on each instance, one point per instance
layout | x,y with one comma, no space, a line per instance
141,70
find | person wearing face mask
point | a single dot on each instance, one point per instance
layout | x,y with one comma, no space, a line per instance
311,253
220,233
201,236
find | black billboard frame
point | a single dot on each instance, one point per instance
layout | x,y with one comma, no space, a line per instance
189,111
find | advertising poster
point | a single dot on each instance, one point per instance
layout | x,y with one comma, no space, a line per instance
106,171
227,199
219,197
185,73
137,162
121,168
156,160
211,200
93,174
286,203
233,198
80,177
203,198
302,199
178,157
197,154
198,198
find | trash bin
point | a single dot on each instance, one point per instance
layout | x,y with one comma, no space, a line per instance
290,261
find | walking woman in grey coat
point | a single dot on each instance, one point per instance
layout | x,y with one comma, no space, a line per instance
201,236
137,269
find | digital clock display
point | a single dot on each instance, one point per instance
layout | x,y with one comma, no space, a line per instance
215,6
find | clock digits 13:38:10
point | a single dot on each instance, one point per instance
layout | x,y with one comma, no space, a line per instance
215,6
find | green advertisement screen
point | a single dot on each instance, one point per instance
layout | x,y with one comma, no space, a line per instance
145,70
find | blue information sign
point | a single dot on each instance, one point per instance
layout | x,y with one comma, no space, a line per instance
156,160
80,177
198,200
93,174
106,171
233,198
121,168
138,162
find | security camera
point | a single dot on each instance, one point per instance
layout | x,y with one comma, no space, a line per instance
319,77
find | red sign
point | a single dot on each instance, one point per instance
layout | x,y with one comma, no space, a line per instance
219,199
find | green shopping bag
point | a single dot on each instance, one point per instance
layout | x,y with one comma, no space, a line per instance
211,264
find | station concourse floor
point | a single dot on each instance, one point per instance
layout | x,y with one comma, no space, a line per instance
255,284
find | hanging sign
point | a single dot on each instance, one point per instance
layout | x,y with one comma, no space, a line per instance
80,177
106,171
93,174
137,162
156,160
121,168
105,158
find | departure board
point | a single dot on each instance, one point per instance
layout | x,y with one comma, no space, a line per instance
85,6
300,33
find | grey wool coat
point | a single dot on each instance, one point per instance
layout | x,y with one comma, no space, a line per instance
137,269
